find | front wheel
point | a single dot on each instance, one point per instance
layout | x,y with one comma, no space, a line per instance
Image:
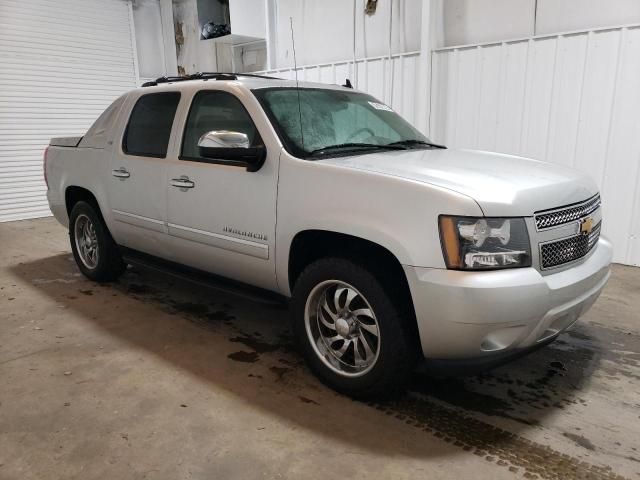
350,330
94,250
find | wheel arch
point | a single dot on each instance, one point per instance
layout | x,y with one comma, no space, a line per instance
74,194
308,246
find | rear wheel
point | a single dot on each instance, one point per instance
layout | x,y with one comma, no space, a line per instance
93,248
350,330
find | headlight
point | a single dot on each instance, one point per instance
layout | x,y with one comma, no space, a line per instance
483,243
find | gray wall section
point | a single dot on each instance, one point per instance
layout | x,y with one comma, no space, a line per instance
478,21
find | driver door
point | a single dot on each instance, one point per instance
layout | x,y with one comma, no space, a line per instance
221,218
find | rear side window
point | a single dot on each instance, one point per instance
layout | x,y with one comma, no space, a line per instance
96,136
149,127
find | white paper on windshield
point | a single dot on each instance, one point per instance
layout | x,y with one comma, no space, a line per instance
380,106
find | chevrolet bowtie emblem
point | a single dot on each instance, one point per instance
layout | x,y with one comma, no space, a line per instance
586,225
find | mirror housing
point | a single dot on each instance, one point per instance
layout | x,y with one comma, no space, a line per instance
233,147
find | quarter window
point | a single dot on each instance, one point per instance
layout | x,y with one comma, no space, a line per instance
215,110
149,127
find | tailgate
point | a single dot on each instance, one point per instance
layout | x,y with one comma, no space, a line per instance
65,141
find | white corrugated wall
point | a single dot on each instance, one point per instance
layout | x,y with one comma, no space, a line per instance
571,98
61,63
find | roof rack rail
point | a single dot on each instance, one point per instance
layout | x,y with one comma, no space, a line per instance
205,76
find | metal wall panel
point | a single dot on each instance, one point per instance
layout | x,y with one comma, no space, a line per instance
570,98
61,64
392,80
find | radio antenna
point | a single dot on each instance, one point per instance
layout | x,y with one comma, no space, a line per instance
295,69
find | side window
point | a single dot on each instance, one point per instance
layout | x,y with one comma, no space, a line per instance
149,127
107,117
215,110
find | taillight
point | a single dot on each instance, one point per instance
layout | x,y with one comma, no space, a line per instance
44,166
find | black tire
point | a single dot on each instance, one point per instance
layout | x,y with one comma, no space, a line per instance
397,349
109,265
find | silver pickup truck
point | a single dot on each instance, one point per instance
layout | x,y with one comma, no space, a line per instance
392,249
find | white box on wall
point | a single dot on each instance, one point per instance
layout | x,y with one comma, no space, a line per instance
248,18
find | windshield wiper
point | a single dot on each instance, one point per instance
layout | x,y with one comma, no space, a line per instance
407,143
357,146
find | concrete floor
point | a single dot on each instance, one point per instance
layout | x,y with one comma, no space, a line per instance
153,377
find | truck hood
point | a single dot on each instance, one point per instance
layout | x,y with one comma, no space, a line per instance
503,185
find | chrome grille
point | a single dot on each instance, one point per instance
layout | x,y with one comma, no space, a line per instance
558,252
560,216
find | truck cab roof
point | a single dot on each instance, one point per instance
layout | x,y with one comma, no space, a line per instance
250,81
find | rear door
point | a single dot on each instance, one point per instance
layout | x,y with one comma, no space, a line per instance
221,218
137,188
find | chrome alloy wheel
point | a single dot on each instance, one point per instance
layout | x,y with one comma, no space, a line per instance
86,241
342,328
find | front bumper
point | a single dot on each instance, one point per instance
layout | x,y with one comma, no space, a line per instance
464,315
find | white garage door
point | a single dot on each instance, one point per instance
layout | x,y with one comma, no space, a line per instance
61,63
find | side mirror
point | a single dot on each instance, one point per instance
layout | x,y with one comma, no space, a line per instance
232,146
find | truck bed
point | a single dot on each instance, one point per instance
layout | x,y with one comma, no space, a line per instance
65,141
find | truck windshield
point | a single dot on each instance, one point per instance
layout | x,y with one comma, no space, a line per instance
335,122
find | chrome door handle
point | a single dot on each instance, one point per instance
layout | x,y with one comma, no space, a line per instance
182,182
121,173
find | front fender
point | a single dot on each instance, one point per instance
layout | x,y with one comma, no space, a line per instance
398,214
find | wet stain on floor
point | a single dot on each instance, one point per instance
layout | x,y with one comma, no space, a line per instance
136,288
220,316
242,356
491,442
580,440
452,409
280,372
558,366
257,345
307,400
191,308
445,408
455,392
